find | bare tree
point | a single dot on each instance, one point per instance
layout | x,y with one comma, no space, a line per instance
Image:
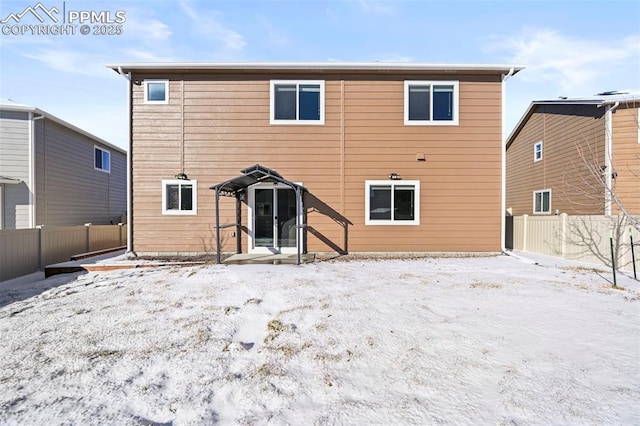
589,183
590,190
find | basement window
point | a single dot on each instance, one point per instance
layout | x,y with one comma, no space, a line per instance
179,197
542,202
392,203
156,91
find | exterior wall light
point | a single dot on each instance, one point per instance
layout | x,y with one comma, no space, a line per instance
181,176
395,176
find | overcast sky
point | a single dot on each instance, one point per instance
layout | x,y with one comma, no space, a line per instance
570,48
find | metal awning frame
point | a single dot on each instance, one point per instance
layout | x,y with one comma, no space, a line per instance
237,188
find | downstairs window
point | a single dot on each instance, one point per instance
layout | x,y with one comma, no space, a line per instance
542,202
179,197
392,203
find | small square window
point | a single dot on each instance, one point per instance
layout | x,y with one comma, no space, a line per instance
542,202
156,91
537,151
179,197
431,103
392,203
101,159
297,102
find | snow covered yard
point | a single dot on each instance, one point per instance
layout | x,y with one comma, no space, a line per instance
432,341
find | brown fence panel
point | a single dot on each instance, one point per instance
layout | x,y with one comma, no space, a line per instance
59,244
103,237
24,251
19,252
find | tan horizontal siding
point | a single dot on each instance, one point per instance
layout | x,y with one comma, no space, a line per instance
224,127
565,131
626,158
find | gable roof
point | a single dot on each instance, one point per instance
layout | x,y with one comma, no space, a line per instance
11,105
322,67
599,100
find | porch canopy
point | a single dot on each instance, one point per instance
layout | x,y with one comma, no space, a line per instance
237,188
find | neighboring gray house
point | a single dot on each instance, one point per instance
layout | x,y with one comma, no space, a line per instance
55,174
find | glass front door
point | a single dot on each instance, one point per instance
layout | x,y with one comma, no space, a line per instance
274,216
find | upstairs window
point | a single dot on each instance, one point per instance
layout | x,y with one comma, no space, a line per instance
101,159
542,202
156,91
179,197
392,203
431,103
537,151
297,102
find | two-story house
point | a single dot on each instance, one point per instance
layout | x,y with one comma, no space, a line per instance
367,157
53,173
579,156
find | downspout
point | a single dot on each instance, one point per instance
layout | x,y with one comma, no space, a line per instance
32,168
127,76
503,201
608,157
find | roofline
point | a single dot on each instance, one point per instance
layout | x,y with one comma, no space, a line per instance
310,66
533,104
38,111
586,101
519,125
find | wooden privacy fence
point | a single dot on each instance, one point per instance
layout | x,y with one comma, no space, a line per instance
583,238
24,251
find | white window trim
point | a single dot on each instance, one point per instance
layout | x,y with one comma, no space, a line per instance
194,201
94,159
456,103
535,151
272,103
541,204
367,192
166,91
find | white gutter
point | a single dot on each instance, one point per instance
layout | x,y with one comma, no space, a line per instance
314,66
129,171
608,157
503,201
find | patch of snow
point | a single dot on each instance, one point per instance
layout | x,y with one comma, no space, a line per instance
458,341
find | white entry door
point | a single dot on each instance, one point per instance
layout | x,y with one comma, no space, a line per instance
273,219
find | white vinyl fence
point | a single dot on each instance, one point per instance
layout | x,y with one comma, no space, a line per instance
583,238
24,251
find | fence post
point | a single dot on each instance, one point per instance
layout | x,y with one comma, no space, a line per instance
563,234
524,231
613,259
633,254
40,247
88,226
